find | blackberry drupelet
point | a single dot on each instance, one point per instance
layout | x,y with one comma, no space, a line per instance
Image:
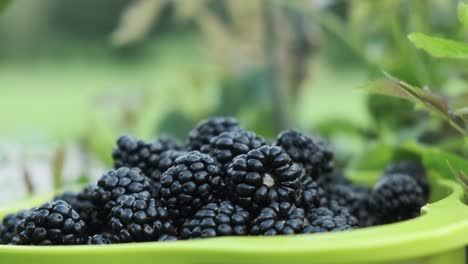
81,202
279,219
263,176
313,195
210,128
312,152
396,198
53,223
412,168
135,153
323,219
137,217
116,183
231,144
8,226
101,239
217,219
193,181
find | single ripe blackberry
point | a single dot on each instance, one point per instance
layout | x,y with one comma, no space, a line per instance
101,239
263,176
135,153
342,212
81,202
8,226
412,168
312,152
166,160
332,178
53,223
349,196
323,219
115,183
231,144
193,181
396,198
217,219
210,128
313,195
137,218
279,219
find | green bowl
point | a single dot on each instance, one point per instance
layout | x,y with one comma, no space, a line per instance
438,236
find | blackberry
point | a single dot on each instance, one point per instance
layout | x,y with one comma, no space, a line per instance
312,152
116,183
396,198
313,195
263,176
279,219
342,212
101,239
135,153
8,226
231,144
412,168
166,160
217,219
138,218
192,182
210,128
53,223
349,196
323,219
333,177
88,211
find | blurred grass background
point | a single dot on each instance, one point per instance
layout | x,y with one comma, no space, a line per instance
76,74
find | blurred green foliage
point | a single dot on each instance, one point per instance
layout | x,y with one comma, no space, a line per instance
91,71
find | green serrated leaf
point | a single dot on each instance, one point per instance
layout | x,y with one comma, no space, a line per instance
463,13
440,47
392,86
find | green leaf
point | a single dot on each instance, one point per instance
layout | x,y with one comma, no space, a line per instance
463,13
440,47
391,86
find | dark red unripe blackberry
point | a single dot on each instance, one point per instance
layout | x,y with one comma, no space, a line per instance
137,218
323,219
412,168
210,128
217,219
193,181
396,198
8,227
231,144
279,219
101,239
53,223
263,176
116,183
312,152
135,153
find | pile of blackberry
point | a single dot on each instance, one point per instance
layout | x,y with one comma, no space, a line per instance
226,181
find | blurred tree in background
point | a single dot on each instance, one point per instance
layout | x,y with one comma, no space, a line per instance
92,70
